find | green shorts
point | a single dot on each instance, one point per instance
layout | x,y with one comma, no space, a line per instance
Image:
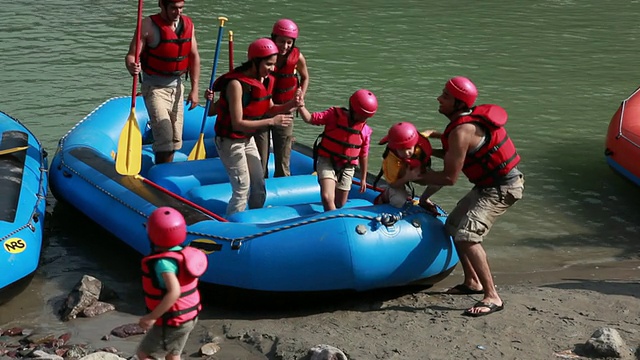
475,214
163,340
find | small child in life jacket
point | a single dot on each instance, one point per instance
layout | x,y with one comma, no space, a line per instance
407,150
343,145
170,283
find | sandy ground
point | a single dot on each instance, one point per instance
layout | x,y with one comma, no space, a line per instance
546,316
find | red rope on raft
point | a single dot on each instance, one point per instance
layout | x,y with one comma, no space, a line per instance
176,196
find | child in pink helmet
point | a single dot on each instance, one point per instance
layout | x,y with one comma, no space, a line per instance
407,150
170,284
343,145
290,74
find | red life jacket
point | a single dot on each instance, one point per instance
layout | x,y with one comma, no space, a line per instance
171,56
497,156
340,141
254,109
192,263
286,83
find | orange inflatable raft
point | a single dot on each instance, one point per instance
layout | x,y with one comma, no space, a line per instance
623,139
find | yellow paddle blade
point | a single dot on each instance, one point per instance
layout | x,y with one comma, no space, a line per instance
14,149
129,156
198,152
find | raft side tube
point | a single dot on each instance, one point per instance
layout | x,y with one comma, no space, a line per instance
274,214
290,190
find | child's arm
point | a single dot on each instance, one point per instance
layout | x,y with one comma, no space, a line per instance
172,295
432,134
305,114
364,165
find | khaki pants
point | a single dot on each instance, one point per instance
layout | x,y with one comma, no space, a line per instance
325,170
241,159
165,106
282,138
475,214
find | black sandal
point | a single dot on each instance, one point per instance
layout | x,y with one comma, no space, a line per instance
462,289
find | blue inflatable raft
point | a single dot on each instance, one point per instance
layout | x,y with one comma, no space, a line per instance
290,245
23,189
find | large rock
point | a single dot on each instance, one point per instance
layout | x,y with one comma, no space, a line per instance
127,330
326,352
606,343
102,355
84,295
97,308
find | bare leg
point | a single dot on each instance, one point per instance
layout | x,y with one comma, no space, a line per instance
172,357
341,197
327,192
470,276
477,257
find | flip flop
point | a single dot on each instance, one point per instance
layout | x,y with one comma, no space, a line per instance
491,306
462,289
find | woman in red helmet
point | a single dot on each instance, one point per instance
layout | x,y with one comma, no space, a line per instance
244,107
407,149
475,143
343,145
290,74
170,283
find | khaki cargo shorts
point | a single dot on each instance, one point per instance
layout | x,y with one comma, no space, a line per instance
475,214
166,116
325,170
163,340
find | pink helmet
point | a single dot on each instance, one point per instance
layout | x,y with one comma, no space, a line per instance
166,227
285,27
261,48
462,89
402,135
363,102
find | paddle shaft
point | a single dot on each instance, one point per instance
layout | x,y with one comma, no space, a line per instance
13,149
230,50
134,88
178,197
213,71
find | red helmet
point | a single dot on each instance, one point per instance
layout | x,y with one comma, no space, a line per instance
363,102
285,27
402,135
261,48
166,227
462,89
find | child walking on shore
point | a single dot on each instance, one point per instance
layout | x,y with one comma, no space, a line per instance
170,283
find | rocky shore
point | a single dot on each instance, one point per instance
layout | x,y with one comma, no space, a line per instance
578,318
